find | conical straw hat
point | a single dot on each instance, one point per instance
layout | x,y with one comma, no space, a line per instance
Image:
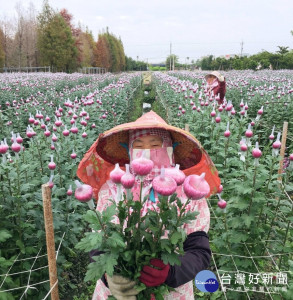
109,150
109,146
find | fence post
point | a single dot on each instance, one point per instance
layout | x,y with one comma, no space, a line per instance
282,151
50,241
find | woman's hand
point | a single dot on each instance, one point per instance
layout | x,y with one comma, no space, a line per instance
122,288
154,276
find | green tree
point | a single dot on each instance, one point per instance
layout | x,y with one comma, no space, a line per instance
88,46
56,45
283,50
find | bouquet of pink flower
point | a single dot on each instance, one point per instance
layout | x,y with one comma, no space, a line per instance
129,236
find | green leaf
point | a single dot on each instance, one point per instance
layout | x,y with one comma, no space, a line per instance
92,240
4,235
104,263
247,220
116,241
108,213
20,244
175,237
171,258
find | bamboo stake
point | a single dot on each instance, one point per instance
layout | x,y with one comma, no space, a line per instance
49,227
187,127
282,151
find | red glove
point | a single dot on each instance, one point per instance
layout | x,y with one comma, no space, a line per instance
154,277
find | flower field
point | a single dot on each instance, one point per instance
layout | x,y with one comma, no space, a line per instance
48,122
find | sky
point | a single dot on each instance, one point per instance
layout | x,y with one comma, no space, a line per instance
152,29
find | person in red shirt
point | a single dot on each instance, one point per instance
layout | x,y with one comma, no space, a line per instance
216,83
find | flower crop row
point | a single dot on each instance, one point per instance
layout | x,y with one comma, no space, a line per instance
42,139
243,138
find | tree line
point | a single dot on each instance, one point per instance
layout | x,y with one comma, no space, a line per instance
49,38
281,59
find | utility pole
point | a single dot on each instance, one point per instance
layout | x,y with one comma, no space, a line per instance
170,55
241,44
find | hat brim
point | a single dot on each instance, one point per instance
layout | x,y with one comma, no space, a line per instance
214,73
187,152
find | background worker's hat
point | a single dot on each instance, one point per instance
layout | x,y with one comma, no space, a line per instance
216,74
112,147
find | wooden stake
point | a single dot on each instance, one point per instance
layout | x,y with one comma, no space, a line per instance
187,127
282,151
49,227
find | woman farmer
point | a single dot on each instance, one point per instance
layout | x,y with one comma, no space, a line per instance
166,146
216,84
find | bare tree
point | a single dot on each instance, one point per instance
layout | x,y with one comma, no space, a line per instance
8,31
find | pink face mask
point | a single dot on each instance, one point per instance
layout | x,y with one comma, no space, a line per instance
213,84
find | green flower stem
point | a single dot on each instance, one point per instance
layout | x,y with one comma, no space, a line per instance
101,223
226,150
267,187
18,176
253,190
182,211
285,239
273,220
40,158
139,220
59,168
226,228
24,162
9,183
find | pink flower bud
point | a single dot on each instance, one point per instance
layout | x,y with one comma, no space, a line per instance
164,185
218,118
74,129
65,132
249,132
142,166
256,152
69,191
271,137
50,182
19,139
54,138
260,111
176,174
116,174
196,187
222,204
277,144
127,180
15,147
51,164
3,147
227,133
83,192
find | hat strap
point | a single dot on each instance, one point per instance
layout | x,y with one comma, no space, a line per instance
174,145
124,145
